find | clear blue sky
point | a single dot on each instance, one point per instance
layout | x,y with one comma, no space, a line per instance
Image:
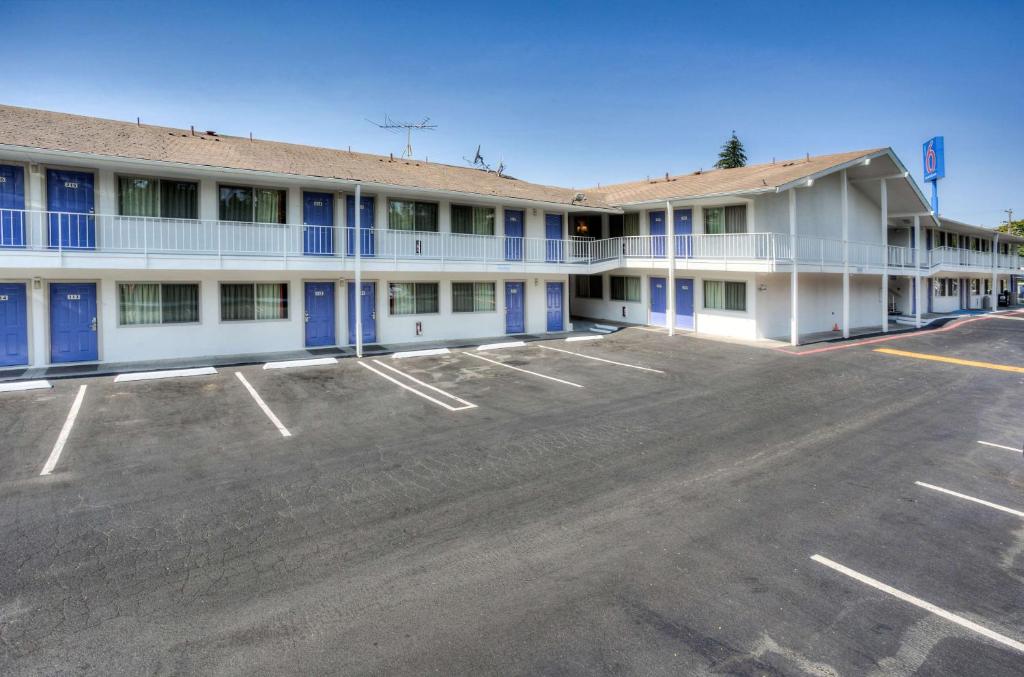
572,95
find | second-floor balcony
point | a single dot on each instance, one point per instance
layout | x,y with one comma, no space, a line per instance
64,237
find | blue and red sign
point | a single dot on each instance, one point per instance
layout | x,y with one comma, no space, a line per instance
934,159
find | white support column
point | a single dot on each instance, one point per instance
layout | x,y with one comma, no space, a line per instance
885,254
794,309
37,314
357,294
995,272
670,228
917,271
845,197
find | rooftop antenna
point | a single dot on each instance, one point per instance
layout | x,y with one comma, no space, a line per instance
478,160
396,127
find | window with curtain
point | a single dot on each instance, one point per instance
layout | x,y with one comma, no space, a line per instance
413,298
259,205
631,224
473,297
408,215
254,301
624,288
723,295
142,303
143,196
975,285
589,287
472,220
721,220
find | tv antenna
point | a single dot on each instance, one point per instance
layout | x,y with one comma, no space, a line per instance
478,161
396,127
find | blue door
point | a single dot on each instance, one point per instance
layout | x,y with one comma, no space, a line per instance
683,226
12,204
365,225
369,306
657,223
553,235
659,296
73,322
514,319
319,314
684,302
318,224
71,195
13,325
513,235
555,296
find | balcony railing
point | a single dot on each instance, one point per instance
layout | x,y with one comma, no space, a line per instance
70,232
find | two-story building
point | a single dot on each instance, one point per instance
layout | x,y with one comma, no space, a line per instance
121,242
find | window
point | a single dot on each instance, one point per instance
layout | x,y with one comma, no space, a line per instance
624,288
589,287
719,220
630,224
975,286
412,298
944,286
165,198
472,220
988,286
406,215
156,303
721,295
254,301
473,297
252,205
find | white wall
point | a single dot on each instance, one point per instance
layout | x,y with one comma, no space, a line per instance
820,301
819,212
736,324
210,336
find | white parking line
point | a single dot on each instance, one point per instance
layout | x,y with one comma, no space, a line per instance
601,359
65,432
525,371
498,346
169,373
263,405
999,446
18,386
572,339
927,606
311,362
464,403
996,506
420,353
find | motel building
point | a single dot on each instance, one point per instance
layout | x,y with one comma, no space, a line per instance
124,242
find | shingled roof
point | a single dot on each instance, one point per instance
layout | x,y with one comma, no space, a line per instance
38,129
724,181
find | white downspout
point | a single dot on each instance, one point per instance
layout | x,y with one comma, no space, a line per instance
358,294
846,253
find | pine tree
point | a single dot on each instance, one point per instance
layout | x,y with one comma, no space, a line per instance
732,154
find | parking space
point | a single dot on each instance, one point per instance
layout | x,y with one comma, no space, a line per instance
661,497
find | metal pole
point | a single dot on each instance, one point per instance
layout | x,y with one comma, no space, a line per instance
358,293
917,271
885,254
670,227
794,313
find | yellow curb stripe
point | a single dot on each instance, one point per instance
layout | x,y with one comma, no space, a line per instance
951,360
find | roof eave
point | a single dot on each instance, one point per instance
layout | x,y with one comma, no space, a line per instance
344,181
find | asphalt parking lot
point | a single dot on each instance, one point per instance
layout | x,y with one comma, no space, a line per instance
638,504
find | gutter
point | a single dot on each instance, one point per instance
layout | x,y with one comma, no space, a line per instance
30,154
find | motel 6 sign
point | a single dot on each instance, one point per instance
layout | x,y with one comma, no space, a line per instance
934,159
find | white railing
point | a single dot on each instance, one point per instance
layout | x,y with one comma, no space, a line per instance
68,232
